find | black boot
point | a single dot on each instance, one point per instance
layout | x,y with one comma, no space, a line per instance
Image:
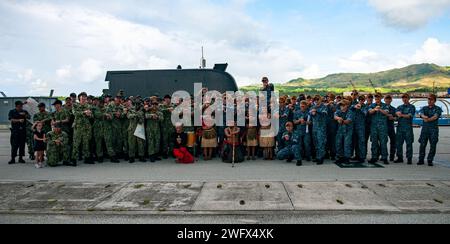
308,159
88,161
32,157
100,160
299,163
114,160
74,163
320,161
12,161
410,162
152,159
361,161
21,161
430,163
142,160
399,161
373,161
338,161
289,160
126,157
131,160
157,157
346,161
421,162
67,163
385,161
165,156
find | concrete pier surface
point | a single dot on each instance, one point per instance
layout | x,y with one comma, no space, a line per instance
213,192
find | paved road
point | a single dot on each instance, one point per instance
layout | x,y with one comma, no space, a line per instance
169,193
217,171
261,218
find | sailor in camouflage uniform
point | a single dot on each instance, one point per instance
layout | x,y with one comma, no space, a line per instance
283,114
379,130
109,134
290,150
302,120
153,117
57,146
82,129
430,130
30,139
127,105
344,136
359,129
44,117
332,127
68,106
167,127
115,110
391,127
319,113
135,117
405,133
61,117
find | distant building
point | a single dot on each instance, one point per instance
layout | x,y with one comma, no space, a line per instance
148,83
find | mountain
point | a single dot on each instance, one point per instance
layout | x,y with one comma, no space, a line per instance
418,77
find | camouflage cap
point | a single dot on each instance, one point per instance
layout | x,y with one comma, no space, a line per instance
57,125
57,102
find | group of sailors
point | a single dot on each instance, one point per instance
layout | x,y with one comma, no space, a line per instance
311,128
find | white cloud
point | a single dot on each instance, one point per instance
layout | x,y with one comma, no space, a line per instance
26,75
311,72
365,61
91,70
93,41
39,86
409,14
433,51
64,72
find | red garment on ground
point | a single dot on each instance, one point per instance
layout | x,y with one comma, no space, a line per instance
183,156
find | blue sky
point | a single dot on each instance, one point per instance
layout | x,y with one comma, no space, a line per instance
69,45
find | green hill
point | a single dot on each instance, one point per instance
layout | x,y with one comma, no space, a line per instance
419,77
